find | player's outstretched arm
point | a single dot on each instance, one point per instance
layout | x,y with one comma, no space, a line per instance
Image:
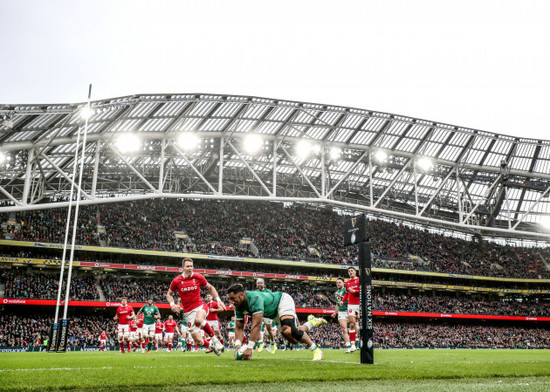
239,333
255,331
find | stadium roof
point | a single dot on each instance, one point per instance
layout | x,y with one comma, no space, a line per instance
439,174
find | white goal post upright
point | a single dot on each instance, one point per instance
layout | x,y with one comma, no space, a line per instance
64,330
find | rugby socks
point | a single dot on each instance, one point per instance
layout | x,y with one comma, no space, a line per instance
313,347
207,328
129,346
352,336
121,344
169,346
308,325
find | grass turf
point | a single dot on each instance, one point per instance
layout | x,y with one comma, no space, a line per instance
403,370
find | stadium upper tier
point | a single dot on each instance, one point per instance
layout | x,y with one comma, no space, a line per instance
272,230
219,146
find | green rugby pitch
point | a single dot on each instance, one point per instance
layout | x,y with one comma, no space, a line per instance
398,370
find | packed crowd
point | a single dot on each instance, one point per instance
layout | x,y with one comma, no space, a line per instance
18,330
425,335
41,285
442,303
277,231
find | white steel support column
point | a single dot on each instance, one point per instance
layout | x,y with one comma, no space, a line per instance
415,189
66,177
301,172
161,164
542,195
392,183
370,180
197,172
9,196
136,172
323,184
351,169
436,193
220,174
96,167
487,192
508,207
249,168
28,177
458,195
274,193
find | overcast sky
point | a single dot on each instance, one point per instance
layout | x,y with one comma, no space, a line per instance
478,64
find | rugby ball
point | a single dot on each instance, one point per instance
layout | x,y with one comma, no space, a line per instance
239,353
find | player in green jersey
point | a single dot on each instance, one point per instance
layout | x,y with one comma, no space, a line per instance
231,332
151,313
341,309
274,305
260,286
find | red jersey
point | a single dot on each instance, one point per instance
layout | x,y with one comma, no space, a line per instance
159,327
189,290
140,321
133,325
103,336
123,312
352,292
170,326
212,316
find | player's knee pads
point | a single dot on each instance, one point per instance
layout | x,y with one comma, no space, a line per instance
294,331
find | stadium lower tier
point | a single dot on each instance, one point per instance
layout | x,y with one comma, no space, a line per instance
23,283
24,327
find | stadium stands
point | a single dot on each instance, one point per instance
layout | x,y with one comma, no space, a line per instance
296,233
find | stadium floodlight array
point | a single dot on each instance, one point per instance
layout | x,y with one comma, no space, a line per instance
252,143
128,142
188,141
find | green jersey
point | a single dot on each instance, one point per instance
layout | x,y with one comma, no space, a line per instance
231,326
265,302
149,313
339,296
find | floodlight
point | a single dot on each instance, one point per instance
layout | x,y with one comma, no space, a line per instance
335,153
3,157
545,222
86,112
128,142
253,143
424,163
303,148
188,141
316,148
380,156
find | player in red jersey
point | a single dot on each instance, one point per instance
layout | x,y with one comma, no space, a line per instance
159,328
353,297
140,333
212,318
188,286
124,314
170,328
134,337
102,341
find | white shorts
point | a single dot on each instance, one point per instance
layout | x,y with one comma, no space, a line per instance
133,335
214,324
353,310
148,330
268,321
123,330
343,315
169,335
231,334
103,341
191,315
158,336
287,307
